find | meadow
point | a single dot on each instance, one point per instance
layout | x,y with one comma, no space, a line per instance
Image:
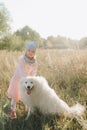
65,71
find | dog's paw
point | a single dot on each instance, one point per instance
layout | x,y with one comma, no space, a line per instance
28,114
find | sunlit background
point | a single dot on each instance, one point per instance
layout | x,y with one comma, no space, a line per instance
50,17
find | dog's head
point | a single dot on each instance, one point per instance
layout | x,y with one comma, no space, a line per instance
27,84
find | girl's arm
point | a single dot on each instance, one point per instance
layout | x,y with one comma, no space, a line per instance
20,69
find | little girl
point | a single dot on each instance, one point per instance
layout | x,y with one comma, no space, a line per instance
27,66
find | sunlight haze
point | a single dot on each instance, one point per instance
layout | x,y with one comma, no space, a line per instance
50,17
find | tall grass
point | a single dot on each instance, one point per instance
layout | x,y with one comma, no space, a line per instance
66,72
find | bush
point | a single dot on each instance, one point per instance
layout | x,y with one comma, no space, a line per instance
11,42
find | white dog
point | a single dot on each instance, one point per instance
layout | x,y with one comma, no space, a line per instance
36,93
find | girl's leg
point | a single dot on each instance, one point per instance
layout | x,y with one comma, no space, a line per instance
13,109
13,105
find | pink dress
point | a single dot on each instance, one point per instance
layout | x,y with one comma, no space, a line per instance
23,69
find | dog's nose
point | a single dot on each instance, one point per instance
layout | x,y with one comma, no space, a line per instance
28,87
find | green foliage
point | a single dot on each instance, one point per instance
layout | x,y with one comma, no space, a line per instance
60,42
4,20
11,42
17,40
27,34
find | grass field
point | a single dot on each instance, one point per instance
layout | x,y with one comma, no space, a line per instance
66,72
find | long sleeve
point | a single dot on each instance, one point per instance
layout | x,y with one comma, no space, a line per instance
19,72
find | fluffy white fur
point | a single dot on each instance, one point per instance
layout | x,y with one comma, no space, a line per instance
43,97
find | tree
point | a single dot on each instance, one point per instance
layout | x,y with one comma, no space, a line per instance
27,34
4,20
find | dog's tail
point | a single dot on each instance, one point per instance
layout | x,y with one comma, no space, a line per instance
76,110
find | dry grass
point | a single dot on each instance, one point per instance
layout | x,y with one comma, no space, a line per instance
66,72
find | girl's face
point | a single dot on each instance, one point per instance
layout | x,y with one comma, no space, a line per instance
30,53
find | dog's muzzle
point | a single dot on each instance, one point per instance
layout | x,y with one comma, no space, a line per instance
29,89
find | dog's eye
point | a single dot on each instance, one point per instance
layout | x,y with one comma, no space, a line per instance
31,82
26,82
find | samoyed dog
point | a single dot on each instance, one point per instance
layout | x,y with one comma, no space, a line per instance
36,93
